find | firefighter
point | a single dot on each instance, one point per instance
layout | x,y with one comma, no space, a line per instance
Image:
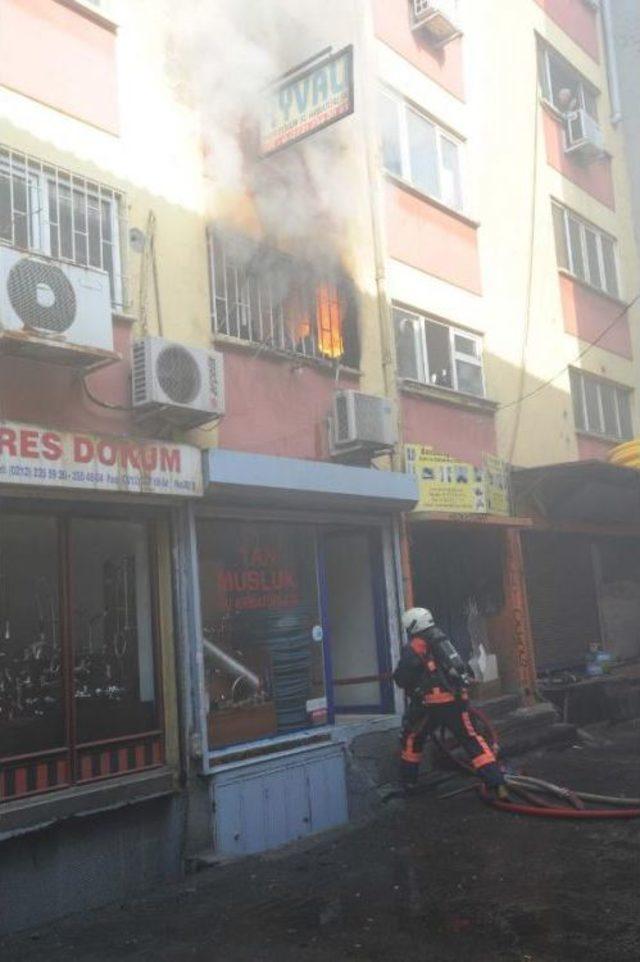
435,680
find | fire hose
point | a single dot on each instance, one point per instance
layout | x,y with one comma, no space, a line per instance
540,796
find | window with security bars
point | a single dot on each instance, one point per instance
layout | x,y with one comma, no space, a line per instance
62,215
430,352
600,407
280,303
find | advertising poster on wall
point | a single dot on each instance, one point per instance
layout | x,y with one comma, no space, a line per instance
458,487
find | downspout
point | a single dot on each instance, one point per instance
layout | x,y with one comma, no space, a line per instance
612,62
368,83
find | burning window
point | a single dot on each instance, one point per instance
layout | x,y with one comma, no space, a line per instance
271,299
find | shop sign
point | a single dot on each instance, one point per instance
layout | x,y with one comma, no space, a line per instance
40,457
306,102
458,486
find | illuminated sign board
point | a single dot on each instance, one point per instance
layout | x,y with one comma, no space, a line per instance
306,101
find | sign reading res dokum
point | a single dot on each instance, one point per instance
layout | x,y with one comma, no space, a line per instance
307,101
40,457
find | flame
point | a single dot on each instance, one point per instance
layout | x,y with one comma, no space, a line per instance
329,317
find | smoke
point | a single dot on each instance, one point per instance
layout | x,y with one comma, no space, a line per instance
222,54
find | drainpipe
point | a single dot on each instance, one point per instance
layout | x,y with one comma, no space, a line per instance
612,61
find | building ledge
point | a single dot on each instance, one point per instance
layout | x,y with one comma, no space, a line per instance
257,350
39,812
91,13
444,395
593,290
602,438
432,201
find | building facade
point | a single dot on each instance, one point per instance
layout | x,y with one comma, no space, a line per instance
219,368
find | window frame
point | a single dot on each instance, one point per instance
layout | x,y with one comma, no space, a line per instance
148,747
578,379
600,235
419,322
549,53
402,108
44,181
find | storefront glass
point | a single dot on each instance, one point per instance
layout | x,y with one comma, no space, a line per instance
78,689
264,662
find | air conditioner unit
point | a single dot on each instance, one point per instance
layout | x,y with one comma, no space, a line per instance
183,385
54,311
362,421
436,19
584,139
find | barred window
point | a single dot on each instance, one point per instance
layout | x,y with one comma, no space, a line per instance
62,215
271,299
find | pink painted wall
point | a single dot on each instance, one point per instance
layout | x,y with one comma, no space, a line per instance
595,178
444,65
52,395
593,449
577,20
275,408
463,434
587,314
63,58
431,239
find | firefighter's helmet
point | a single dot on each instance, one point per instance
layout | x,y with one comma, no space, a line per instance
416,620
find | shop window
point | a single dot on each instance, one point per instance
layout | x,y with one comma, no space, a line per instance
430,352
563,86
585,251
601,407
50,211
78,689
279,303
263,651
419,151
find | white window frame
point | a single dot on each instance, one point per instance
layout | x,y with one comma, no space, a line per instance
420,322
582,83
584,226
402,131
579,378
40,177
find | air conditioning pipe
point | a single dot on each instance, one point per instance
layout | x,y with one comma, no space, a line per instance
612,61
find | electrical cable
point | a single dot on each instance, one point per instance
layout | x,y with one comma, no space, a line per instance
107,405
583,352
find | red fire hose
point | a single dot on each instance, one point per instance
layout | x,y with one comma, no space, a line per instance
551,811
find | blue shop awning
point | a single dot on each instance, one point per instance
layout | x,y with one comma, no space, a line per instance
290,482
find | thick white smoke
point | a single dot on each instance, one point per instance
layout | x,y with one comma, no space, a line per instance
222,54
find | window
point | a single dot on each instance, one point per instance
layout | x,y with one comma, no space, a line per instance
420,152
563,86
600,407
61,215
271,299
78,688
585,251
430,352
264,662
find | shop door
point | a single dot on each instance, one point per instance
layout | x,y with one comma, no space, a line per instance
355,615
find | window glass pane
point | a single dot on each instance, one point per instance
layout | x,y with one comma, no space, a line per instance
423,154
590,101
467,345
451,182
609,402
593,259
469,378
576,396
390,136
31,687
407,329
115,690
439,354
560,236
575,241
565,84
624,411
610,269
591,395
264,671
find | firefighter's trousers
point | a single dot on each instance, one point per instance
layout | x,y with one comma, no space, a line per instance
421,720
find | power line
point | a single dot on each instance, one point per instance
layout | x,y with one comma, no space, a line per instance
585,350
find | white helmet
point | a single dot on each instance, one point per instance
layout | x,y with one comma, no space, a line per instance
416,620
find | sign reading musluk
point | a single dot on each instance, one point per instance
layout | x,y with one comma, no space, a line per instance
38,456
307,101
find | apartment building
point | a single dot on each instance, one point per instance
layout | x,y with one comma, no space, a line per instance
230,373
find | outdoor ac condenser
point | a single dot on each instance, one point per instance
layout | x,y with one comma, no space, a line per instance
362,421
584,138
